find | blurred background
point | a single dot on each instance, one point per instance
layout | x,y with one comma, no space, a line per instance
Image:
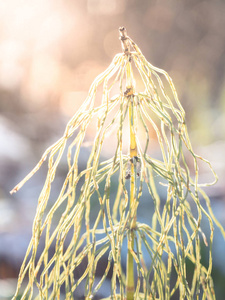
51,51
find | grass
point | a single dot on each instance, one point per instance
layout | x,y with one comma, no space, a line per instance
173,238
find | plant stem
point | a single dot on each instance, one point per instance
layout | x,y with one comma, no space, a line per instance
133,153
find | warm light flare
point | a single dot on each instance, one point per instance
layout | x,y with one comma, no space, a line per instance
32,39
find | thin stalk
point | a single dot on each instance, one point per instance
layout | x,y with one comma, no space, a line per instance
133,154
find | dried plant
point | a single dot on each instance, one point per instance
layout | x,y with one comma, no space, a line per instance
172,239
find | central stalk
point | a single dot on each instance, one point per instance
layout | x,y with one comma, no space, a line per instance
133,154
129,93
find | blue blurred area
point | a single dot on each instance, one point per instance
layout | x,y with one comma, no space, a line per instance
51,51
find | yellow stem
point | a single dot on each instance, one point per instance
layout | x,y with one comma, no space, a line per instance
133,153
